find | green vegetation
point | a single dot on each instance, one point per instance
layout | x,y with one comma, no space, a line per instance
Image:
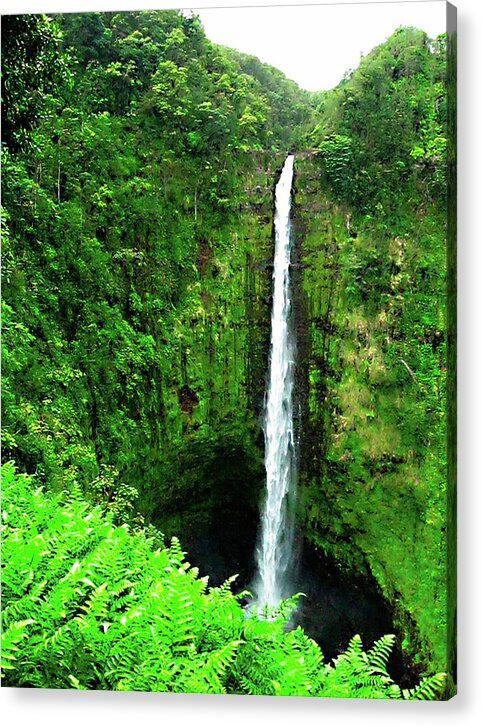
91,605
138,163
373,278
382,134
128,241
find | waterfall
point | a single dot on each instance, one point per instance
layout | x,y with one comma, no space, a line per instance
276,543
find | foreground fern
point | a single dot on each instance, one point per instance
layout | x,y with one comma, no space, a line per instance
88,604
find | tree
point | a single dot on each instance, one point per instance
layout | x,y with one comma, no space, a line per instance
32,67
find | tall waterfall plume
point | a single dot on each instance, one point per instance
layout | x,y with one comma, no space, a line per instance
275,548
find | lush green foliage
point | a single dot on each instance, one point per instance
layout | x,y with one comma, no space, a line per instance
383,129
121,229
374,263
88,604
137,165
32,70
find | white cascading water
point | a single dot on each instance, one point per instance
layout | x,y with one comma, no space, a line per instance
276,543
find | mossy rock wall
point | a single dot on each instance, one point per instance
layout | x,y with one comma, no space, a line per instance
211,467
148,372
372,374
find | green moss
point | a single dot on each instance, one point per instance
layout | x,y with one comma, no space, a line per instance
373,465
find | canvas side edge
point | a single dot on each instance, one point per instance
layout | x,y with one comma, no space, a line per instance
451,322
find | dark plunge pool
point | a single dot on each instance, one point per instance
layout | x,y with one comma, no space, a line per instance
217,523
334,607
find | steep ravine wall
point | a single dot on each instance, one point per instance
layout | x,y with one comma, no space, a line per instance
150,368
138,356
211,473
371,461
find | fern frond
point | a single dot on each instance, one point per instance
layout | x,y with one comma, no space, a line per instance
88,604
11,639
429,688
379,654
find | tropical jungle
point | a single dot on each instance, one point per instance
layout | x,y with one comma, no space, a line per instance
141,165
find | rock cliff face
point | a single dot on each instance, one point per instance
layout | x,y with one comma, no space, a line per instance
210,470
371,427
372,493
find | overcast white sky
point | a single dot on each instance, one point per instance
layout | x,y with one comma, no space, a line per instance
312,44
316,45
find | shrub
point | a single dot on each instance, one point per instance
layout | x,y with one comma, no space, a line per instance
88,604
